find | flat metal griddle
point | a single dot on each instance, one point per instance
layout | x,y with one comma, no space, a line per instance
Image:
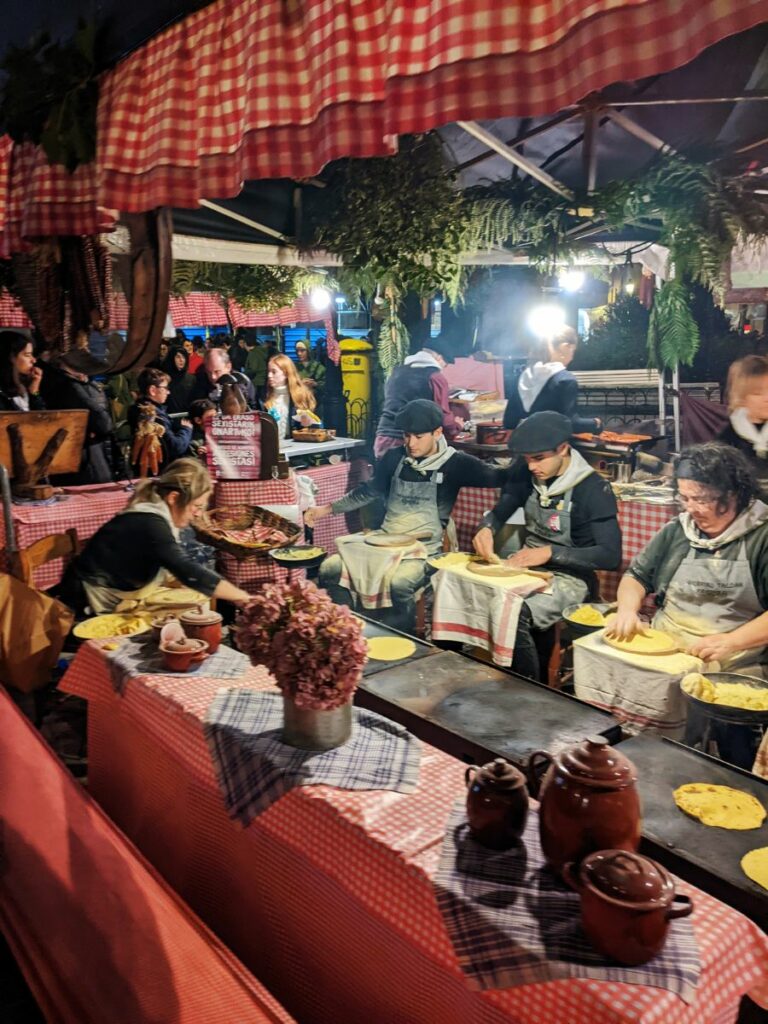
471,709
708,857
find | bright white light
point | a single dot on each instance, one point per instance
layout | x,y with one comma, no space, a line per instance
340,300
438,303
546,320
320,298
572,280
629,287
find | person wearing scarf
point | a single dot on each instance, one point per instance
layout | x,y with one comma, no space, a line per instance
571,527
546,384
709,567
418,483
747,429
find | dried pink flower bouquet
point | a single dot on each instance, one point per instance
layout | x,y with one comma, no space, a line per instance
314,648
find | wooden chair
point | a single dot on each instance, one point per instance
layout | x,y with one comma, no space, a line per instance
47,549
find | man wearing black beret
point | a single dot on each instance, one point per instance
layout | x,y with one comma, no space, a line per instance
418,482
571,526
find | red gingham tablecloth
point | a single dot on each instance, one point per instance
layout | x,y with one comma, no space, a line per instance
242,90
85,509
329,881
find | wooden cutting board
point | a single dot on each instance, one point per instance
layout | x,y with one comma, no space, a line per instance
501,569
394,540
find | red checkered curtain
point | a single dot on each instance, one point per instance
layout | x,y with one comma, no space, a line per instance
277,88
11,313
37,199
301,312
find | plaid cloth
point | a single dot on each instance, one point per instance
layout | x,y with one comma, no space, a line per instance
140,656
84,508
254,768
333,482
512,922
367,571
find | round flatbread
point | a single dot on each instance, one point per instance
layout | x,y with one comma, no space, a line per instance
720,806
650,641
390,648
755,866
101,627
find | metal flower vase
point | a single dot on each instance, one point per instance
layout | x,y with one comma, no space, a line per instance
310,729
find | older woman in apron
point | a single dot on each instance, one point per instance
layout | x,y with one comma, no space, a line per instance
709,567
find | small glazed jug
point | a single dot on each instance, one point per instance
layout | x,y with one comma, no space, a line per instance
497,804
627,902
589,801
202,624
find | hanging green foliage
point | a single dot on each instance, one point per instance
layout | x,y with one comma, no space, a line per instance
673,334
251,286
50,95
393,341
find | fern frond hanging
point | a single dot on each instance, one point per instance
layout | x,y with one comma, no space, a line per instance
673,334
393,342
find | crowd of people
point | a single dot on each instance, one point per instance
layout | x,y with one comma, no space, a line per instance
172,398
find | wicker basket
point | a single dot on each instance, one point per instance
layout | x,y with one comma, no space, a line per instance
314,434
212,525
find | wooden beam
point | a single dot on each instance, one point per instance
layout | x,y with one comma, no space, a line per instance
243,220
589,150
500,147
567,115
638,131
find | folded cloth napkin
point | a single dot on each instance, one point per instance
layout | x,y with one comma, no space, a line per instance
367,570
479,610
243,729
140,656
513,922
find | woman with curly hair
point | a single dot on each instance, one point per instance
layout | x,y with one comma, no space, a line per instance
288,397
709,567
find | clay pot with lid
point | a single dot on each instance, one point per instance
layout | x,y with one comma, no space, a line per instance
589,801
179,655
627,902
203,624
497,803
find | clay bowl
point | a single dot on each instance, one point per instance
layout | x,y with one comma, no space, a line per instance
179,656
158,622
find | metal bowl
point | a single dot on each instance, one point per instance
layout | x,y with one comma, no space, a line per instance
581,628
724,713
298,559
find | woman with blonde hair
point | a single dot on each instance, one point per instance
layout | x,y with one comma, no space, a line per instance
747,430
287,395
134,552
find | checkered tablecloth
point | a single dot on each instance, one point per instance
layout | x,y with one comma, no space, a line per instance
254,767
140,655
82,508
513,922
333,482
331,880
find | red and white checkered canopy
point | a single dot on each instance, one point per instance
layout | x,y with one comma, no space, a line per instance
246,89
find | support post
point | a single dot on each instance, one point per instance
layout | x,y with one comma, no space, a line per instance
676,403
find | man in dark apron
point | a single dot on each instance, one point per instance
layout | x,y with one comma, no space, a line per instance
571,526
419,483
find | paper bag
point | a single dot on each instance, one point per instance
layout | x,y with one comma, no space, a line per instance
33,628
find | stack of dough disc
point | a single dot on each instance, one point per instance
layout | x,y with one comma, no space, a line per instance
650,641
390,648
720,806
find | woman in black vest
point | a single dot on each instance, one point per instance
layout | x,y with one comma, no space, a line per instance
546,384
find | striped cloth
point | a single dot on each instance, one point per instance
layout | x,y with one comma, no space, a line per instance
512,922
140,656
254,768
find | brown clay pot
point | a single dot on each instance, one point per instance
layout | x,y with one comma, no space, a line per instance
627,902
497,803
203,625
589,801
158,622
179,655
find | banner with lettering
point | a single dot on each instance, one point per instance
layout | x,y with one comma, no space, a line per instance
233,447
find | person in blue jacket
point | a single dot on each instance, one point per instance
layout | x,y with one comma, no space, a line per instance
153,390
547,385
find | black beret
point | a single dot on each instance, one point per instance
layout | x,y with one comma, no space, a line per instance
541,432
419,417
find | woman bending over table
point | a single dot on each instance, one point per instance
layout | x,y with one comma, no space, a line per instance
132,554
709,567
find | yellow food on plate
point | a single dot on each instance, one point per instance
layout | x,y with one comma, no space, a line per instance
720,806
390,648
732,695
100,627
586,615
755,865
650,641
299,554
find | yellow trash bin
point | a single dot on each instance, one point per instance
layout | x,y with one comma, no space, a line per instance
356,382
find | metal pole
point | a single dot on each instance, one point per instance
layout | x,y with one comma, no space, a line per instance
662,405
10,532
676,403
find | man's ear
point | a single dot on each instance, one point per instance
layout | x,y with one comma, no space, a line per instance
437,434
563,449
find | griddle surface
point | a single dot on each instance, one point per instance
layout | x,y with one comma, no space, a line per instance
372,629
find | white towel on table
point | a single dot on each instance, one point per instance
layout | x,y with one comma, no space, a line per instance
367,570
479,610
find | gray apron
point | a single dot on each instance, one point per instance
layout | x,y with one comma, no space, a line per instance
711,595
412,506
548,521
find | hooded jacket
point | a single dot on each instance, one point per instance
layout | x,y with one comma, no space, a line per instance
545,387
420,376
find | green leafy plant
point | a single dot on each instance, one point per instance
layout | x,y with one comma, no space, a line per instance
251,286
50,96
